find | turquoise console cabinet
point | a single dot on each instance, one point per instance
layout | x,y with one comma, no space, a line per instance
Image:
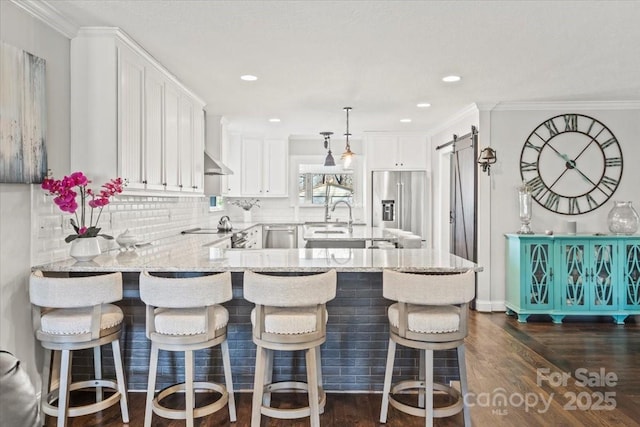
573,275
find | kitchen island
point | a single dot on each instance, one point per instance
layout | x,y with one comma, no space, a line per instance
354,354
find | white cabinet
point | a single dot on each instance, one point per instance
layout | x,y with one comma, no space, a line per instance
153,125
254,237
171,161
264,167
130,109
131,118
232,157
396,151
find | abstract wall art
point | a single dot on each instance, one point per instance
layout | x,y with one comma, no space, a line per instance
23,116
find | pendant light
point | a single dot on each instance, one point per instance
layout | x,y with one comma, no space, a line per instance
347,156
328,161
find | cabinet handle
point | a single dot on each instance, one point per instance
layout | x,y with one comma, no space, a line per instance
164,183
144,181
551,274
180,185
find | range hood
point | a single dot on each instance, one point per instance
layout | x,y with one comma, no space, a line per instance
213,166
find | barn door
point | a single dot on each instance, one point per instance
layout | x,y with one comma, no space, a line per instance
463,197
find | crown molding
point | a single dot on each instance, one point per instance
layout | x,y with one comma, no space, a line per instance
567,105
48,14
469,109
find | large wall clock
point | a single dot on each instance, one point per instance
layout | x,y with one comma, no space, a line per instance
572,162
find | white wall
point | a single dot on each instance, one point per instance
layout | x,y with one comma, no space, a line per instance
510,125
16,335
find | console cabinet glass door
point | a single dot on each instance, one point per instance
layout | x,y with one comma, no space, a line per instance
538,275
630,274
586,275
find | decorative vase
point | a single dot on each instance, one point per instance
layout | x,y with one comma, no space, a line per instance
623,218
85,249
246,216
524,200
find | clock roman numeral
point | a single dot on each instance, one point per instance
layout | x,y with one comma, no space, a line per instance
537,186
574,206
570,122
613,161
607,185
527,167
552,201
592,202
551,127
609,142
528,144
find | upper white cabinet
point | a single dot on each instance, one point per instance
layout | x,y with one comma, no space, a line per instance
232,157
131,117
264,167
396,151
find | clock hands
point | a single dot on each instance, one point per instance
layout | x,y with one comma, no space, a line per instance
571,164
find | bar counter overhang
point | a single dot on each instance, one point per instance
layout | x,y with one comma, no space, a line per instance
354,354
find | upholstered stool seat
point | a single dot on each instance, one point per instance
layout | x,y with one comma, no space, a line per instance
184,314
290,315
73,314
430,314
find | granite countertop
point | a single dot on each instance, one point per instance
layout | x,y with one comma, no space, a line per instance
331,232
190,253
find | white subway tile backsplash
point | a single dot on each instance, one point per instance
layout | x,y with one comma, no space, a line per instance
150,218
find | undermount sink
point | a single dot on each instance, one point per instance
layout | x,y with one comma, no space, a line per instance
329,232
325,224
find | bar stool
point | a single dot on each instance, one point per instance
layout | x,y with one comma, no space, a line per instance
430,314
73,314
290,314
184,314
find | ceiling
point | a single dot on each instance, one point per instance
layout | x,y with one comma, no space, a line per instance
379,57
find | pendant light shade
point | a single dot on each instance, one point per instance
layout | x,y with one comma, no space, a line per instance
347,156
328,161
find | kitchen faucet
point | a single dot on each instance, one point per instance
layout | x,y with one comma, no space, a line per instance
327,215
350,223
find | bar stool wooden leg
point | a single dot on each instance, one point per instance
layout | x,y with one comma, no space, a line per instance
319,373
258,386
428,407
421,378
151,387
226,362
55,370
122,381
97,368
46,381
312,381
268,377
63,391
391,355
462,369
188,393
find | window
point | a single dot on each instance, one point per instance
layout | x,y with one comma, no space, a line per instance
314,188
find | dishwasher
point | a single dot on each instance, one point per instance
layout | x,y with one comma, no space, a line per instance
280,236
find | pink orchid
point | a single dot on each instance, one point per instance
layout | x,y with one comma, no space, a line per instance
65,199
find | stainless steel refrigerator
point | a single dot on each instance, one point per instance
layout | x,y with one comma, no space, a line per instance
399,200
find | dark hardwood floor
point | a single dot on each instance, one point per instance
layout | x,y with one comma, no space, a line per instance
504,359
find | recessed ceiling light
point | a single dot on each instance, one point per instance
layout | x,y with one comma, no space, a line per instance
248,78
423,105
405,120
450,79
274,120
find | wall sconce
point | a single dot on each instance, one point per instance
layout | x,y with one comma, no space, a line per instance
328,161
486,159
